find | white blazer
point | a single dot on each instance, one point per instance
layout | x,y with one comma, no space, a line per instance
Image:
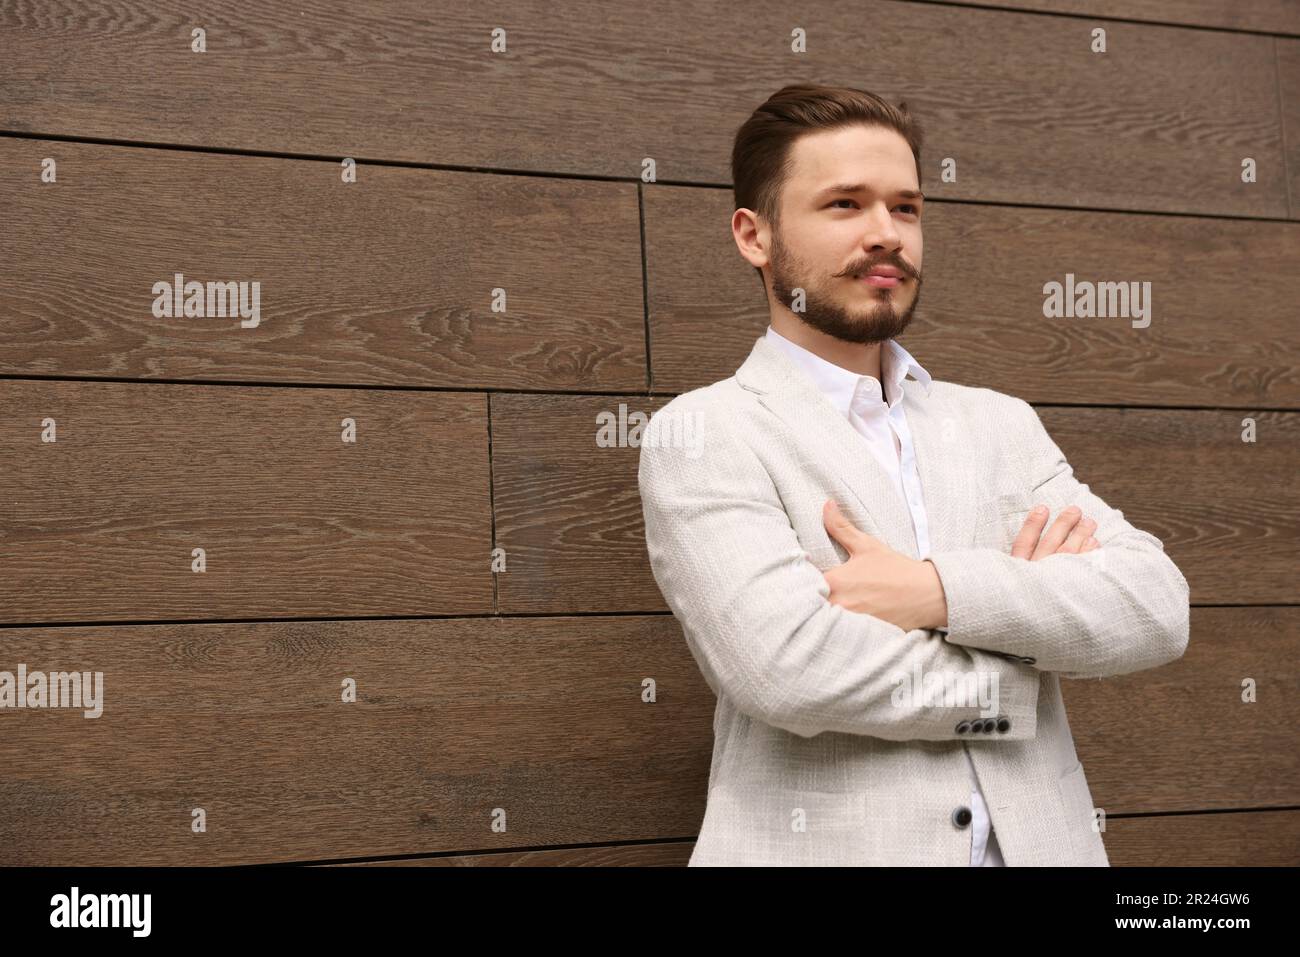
832,745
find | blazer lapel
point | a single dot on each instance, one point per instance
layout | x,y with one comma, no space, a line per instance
827,437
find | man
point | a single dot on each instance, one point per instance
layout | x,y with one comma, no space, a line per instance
855,557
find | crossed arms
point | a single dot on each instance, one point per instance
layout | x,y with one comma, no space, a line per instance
1117,609
756,615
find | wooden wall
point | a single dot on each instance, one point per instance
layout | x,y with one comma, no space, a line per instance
475,429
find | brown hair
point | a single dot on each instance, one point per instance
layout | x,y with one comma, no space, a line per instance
760,155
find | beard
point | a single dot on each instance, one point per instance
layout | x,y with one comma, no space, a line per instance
866,315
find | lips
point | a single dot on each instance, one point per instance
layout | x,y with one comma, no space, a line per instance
881,276
876,279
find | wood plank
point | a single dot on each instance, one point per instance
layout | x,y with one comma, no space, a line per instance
1288,73
979,319
541,717
666,854
1241,839
386,281
1263,16
1227,511
1180,737
568,511
1029,113
100,525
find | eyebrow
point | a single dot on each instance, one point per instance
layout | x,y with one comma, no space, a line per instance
863,188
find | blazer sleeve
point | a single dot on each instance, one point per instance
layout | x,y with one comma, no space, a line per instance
756,617
1119,608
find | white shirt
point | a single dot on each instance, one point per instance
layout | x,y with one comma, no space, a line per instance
858,397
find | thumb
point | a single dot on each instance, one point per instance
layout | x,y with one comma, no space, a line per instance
844,531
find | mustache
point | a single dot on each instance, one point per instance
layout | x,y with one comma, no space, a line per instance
898,264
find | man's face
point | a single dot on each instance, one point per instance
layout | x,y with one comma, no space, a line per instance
829,240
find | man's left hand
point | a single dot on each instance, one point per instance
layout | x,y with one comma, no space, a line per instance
878,581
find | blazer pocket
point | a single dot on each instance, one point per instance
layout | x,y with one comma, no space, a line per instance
1001,520
1076,802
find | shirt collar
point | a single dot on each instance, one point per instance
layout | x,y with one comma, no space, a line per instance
842,387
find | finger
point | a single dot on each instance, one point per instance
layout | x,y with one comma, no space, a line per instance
1089,545
841,529
1056,534
1024,544
1076,538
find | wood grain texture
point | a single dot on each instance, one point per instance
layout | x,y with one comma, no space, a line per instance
541,717
1287,53
1180,737
386,281
568,511
1245,839
100,525
1227,511
376,305
659,854
1159,122
979,319
1263,16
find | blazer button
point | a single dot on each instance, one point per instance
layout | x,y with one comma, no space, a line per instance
989,725
961,816
963,727
1004,725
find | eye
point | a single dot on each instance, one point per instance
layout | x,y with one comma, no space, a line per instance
914,210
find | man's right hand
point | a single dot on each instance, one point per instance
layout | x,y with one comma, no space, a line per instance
1068,535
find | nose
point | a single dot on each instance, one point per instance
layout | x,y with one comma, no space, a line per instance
881,232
